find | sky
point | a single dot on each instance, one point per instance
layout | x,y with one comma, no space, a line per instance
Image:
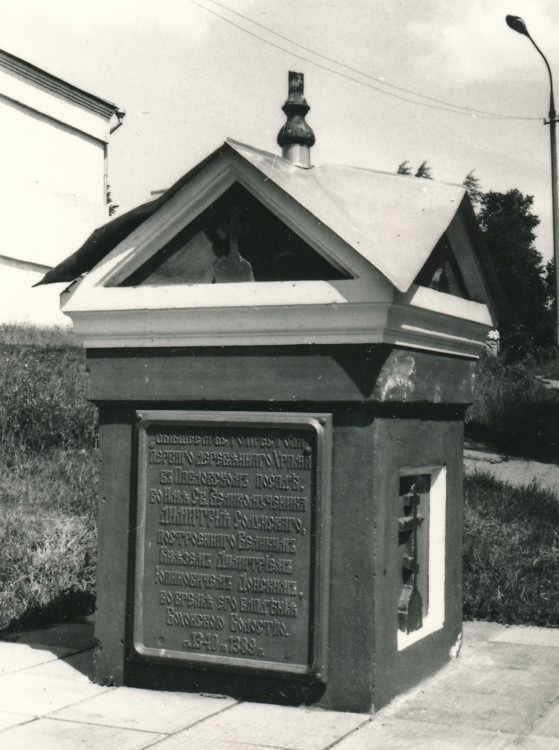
189,77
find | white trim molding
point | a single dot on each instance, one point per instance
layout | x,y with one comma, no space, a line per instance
321,319
365,308
55,85
27,86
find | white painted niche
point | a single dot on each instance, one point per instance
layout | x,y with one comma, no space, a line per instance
422,540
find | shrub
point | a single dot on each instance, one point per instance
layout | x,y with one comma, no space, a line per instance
513,411
547,364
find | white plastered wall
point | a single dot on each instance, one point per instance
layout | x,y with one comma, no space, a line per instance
21,304
52,193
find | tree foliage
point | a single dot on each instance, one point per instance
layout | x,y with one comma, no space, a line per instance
508,225
473,187
526,318
424,171
404,168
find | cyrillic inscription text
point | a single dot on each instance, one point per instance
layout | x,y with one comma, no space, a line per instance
227,554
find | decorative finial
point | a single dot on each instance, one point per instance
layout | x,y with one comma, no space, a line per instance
296,137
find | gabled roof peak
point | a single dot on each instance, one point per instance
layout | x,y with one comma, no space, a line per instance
279,161
391,221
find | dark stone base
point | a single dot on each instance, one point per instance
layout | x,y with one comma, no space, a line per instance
373,440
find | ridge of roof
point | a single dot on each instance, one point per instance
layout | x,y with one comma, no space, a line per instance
239,147
392,222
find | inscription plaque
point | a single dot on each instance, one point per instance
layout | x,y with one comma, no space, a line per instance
232,539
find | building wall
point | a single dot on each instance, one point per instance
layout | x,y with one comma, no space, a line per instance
21,304
52,191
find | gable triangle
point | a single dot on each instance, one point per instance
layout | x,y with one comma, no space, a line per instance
442,271
234,239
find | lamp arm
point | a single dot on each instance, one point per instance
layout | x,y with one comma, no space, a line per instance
551,99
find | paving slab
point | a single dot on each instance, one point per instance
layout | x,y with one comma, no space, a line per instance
68,637
481,711
537,743
78,667
37,695
529,635
480,630
15,657
510,655
148,710
48,734
501,693
401,734
11,720
516,684
548,725
184,741
277,726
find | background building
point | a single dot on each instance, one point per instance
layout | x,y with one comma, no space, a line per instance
53,190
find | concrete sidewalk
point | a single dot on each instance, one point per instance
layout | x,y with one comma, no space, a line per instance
515,471
502,692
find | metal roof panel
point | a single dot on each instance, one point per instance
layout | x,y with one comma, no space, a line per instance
393,221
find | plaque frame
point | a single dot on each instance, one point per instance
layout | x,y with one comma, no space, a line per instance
319,571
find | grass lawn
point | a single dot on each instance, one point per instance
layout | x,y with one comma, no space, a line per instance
48,479
48,545
47,538
511,553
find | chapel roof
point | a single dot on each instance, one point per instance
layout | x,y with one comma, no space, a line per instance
393,221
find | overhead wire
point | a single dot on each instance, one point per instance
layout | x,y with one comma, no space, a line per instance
368,75
431,102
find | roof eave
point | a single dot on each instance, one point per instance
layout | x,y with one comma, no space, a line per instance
58,86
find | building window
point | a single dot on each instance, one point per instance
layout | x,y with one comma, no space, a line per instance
421,545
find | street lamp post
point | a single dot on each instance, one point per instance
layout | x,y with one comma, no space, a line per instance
517,24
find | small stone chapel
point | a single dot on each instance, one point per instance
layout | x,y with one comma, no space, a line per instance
282,355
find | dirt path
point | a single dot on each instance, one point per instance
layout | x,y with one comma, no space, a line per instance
516,471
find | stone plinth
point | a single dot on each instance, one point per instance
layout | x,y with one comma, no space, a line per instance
388,414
